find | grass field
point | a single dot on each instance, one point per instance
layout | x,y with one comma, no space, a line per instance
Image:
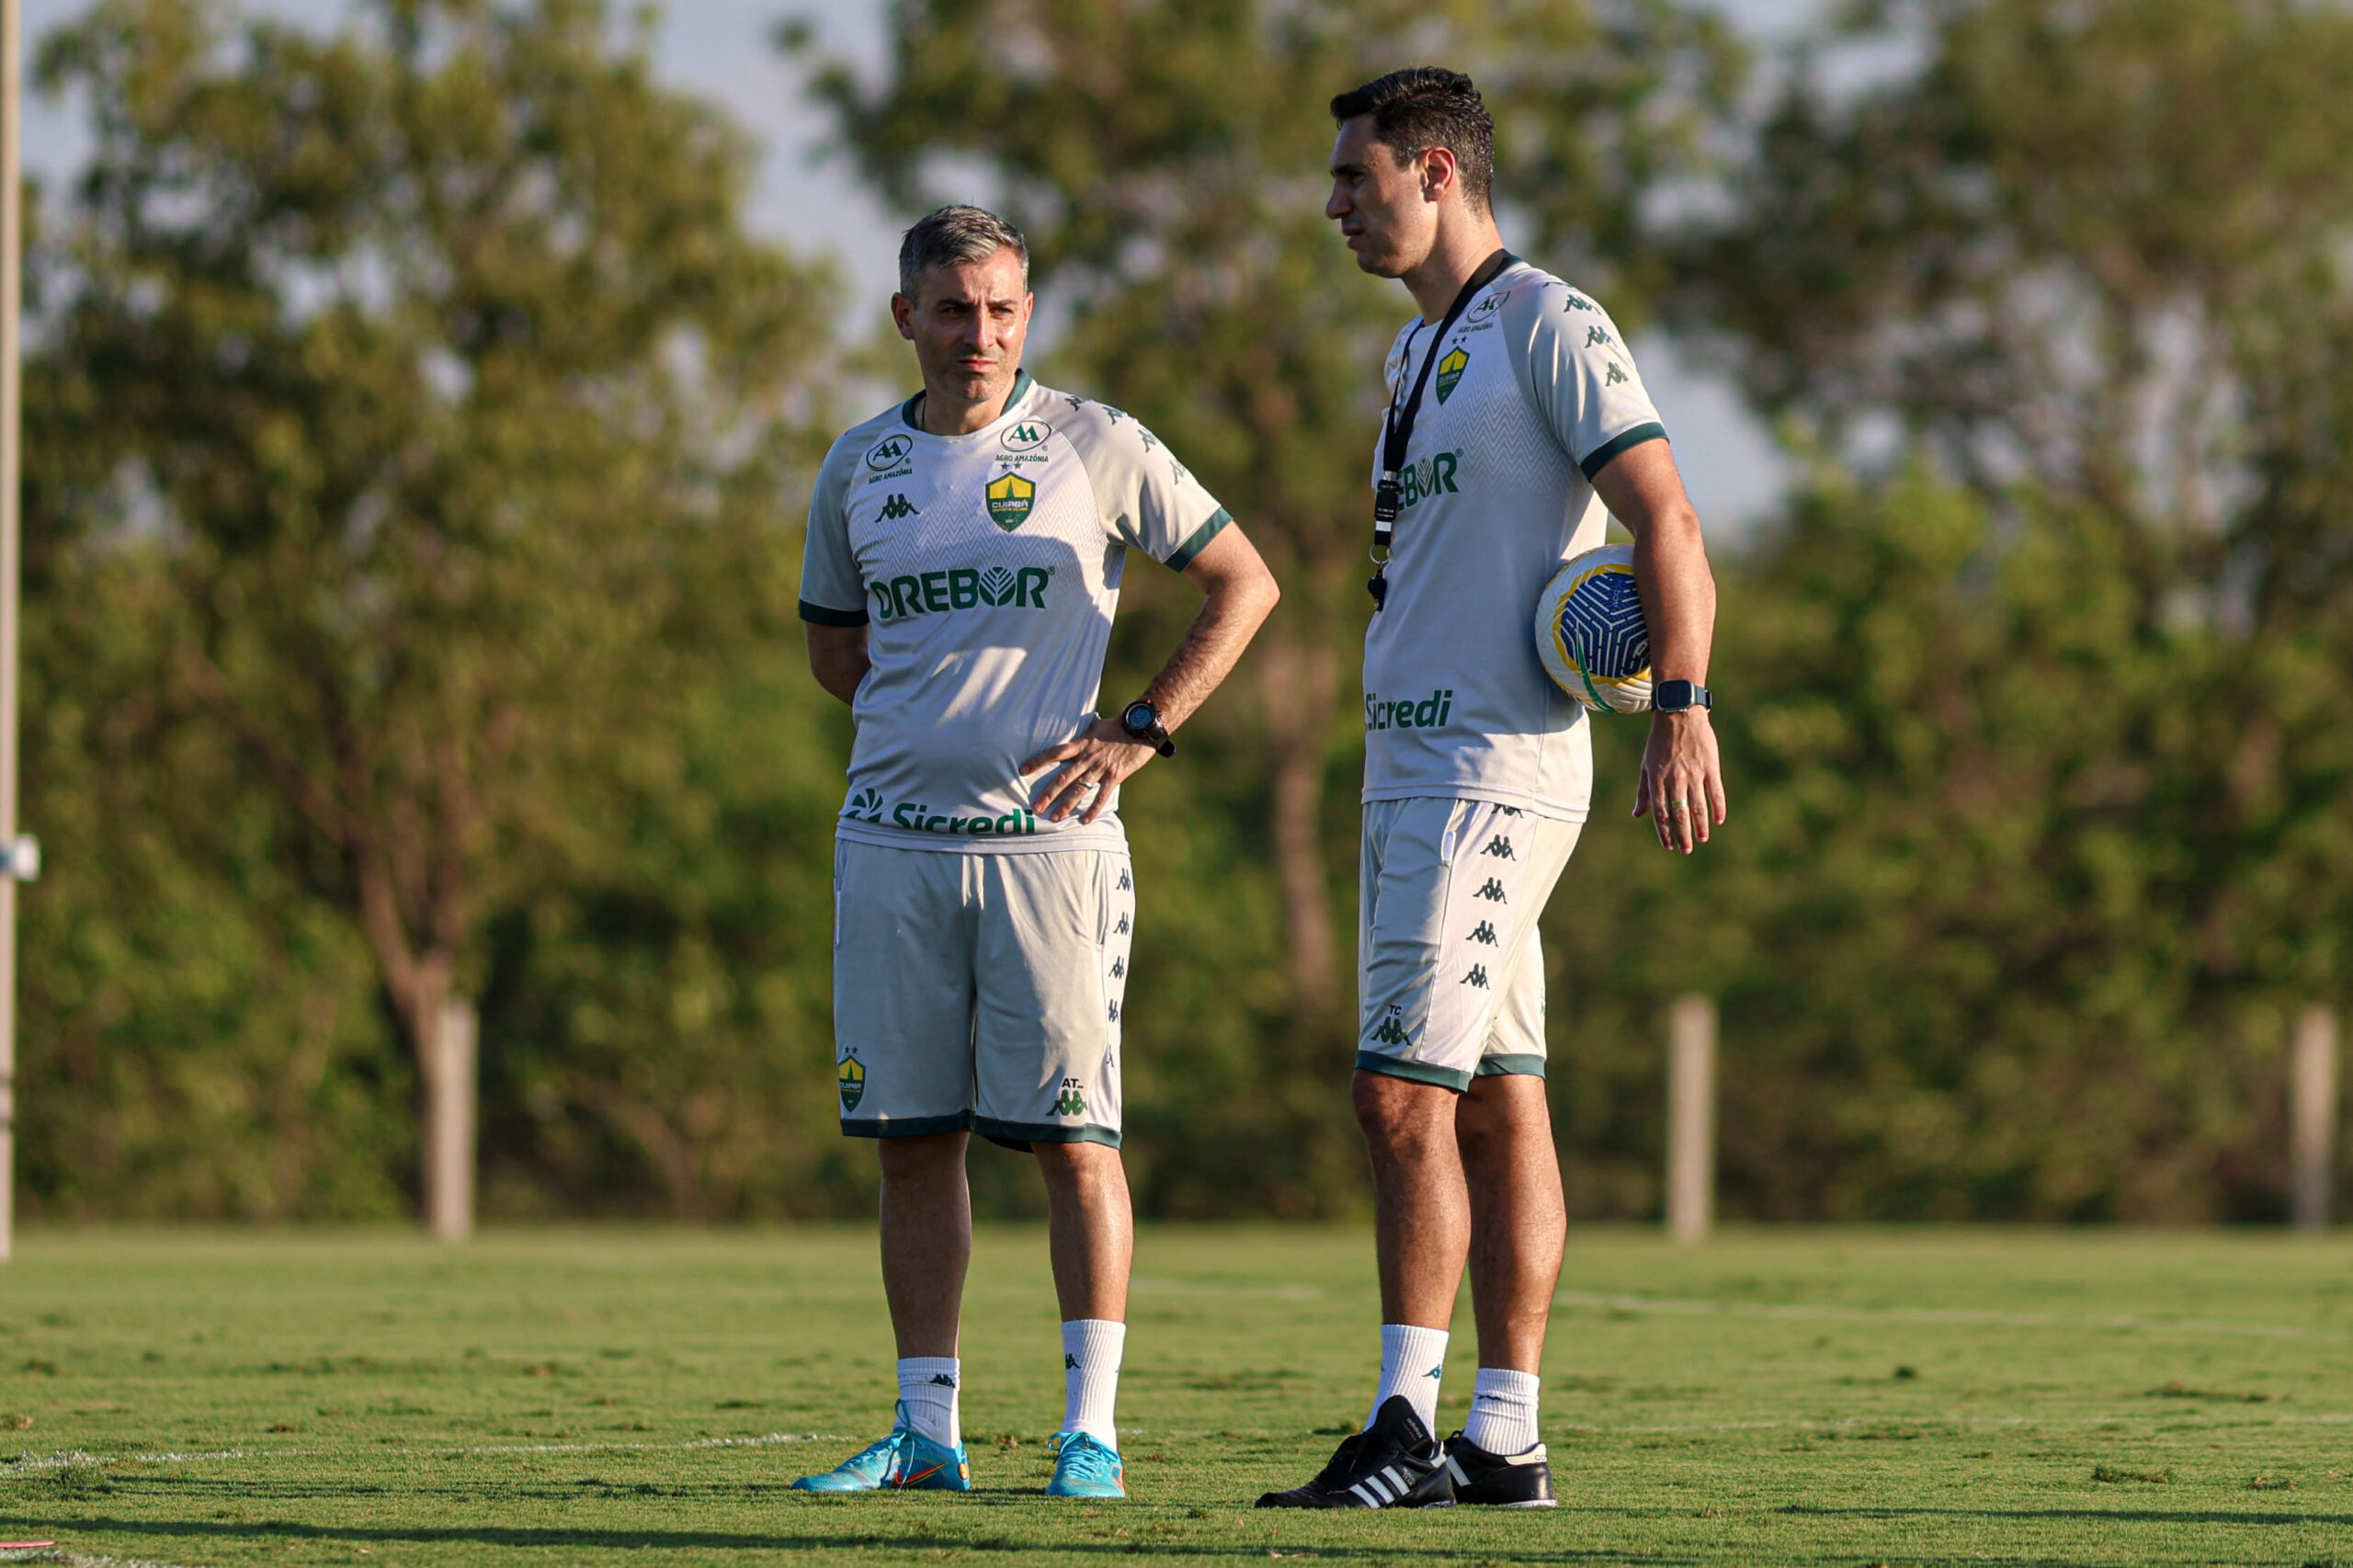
597,1396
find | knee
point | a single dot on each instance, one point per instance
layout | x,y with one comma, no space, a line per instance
923,1158
1400,1118
1076,1166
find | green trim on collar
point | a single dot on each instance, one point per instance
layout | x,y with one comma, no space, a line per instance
1022,382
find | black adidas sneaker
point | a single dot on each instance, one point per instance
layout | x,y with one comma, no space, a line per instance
1517,1480
1394,1463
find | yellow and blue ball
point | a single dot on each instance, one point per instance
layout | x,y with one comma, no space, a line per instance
1591,634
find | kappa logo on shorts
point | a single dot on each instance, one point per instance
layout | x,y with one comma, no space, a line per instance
1485,933
1115,1012
1073,1100
851,1078
1118,968
1500,848
1478,976
1121,928
1391,1031
1127,883
1493,892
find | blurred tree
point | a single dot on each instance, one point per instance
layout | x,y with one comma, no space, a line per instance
2087,261
1167,163
417,393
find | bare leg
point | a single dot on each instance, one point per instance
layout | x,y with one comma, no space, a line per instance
1090,1231
1518,1223
1423,1213
926,1240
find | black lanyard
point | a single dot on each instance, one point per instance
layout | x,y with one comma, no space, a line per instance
1397,428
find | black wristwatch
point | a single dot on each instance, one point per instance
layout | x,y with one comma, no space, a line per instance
1680,697
1141,719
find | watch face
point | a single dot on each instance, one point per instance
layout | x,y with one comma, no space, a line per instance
1140,716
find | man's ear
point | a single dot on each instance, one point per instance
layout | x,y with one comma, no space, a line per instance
1438,174
902,316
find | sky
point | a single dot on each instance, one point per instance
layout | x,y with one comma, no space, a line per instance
810,199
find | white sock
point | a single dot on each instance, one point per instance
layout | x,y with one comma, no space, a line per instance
930,1385
1503,1410
1413,1361
1091,1349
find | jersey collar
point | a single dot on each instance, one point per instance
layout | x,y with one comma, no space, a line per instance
1021,385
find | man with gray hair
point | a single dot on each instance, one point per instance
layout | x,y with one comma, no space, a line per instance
962,567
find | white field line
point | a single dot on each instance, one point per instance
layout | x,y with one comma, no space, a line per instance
75,1458
1668,1305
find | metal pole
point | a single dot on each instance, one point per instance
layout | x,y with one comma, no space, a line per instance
1691,1119
2312,1140
12,247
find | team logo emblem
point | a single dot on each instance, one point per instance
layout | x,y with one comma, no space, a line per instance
1073,1099
1025,437
1486,308
852,1080
1011,498
898,506
1450,371
889,453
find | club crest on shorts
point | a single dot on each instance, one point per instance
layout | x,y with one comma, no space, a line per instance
1011,498
851,1078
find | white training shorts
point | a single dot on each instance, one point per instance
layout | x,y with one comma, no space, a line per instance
1450,969
981,992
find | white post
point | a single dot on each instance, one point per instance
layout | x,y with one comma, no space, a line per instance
2313,1112
1691,1119
450,1153
12,246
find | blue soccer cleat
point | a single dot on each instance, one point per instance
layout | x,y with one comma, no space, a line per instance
1083,1467
905,1460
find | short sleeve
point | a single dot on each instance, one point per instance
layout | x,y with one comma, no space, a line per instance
1151,501
1584,380
833,592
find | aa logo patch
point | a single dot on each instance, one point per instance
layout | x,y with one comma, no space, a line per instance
1011,498
851,1078
1450,372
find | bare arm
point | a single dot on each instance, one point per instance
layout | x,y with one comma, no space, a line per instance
1682,786
1237,594
837,658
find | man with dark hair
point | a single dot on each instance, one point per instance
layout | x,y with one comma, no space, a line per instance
963,564
1516,426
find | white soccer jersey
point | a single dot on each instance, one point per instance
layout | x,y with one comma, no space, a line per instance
985,569
1533,391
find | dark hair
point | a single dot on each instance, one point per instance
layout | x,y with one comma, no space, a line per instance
950,235
1424,107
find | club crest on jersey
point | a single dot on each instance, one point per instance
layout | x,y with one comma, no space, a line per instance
1450,373
1011,496
851,1077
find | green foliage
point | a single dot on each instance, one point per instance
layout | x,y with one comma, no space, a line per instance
413,434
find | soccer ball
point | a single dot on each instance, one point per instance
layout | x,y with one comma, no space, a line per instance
1591,634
